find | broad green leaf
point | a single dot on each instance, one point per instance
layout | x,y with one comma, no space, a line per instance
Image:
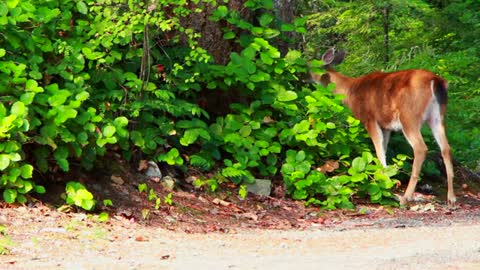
358,177
63,164
59,98
27,98
285,96
21,198
12,3
18,108
245,131
121,121
4,161
9,195
300,156
221,12
292,56
27,187
2,52
189,137
82,7
82,96
108,131
229,35
39,189
27,171
359,164
266,19
64,114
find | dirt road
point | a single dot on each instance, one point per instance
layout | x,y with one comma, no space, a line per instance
80,243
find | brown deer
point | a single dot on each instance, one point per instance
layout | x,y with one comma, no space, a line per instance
402,100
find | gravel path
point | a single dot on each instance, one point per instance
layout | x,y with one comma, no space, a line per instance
131,246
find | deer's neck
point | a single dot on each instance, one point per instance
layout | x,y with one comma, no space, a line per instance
342,83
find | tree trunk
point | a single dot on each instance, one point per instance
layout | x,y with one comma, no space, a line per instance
211,32
285,10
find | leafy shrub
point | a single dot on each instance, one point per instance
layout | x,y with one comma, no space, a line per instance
91,77
77,194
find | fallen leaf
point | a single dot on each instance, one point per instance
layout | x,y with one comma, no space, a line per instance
329,166
190,179
142,165
141,238
268,120
155,179
221,202
423,208
117,180
248,215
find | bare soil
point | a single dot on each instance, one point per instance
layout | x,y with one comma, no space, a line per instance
205,230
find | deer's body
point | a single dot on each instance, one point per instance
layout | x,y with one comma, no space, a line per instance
396,101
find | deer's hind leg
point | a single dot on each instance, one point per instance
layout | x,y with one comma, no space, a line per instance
414,137
438,130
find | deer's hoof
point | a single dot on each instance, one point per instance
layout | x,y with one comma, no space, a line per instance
451,200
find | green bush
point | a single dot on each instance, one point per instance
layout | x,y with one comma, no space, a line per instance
84,77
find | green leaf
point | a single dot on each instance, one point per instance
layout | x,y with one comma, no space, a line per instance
64,114
229,35
121,121
4,161
359,164
9,195
12,3
27,187
189,137
40,189
358,177
285,96
18,108
221,12
82,7
245,131
2,52
27,98
21,198
292,56
63,164
59,98
103,217
108,131
300,156
266,19
27,171
142,187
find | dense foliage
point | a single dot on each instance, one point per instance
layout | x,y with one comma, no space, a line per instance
80,78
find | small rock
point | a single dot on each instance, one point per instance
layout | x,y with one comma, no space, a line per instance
117,179
170,219
153,171
261,187
190,179
426,189
168,183
97,187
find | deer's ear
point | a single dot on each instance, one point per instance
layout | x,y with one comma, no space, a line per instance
328,56
338,57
